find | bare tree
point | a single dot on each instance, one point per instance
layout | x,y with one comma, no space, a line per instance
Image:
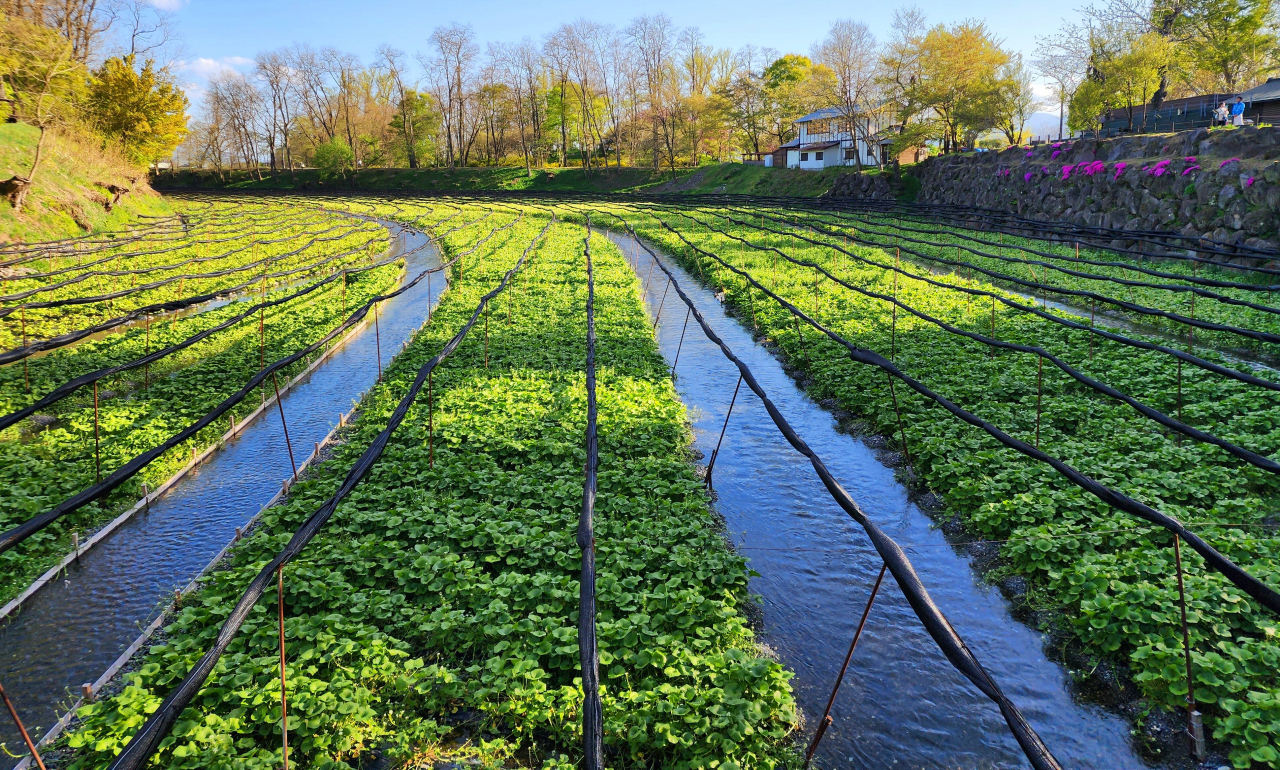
654,38
851,52
452,71
392,63
274,71
316,93
557,50
1063,64
240,106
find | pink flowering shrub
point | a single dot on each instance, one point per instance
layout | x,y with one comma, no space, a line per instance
1159,168
1031,153
1120,167
1225,162
1189,169
1027,176
1248,182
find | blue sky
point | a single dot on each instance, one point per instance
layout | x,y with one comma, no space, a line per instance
219,33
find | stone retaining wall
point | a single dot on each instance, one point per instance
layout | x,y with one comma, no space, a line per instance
1221,185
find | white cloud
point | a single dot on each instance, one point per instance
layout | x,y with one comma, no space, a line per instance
205,68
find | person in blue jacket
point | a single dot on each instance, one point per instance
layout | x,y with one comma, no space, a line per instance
1237,112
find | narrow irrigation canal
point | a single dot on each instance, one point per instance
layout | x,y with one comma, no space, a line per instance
902,704
73,629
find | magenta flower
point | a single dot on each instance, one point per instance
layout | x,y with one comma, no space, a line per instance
1249,182
1044,170
1055,154
1225,162
1057,144
1189,169
1190,159
1066,171
1031,153
1027,177
1120,167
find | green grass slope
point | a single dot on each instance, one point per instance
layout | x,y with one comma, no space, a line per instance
70,189
716,178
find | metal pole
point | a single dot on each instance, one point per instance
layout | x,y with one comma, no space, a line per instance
146,371
486,336
800,334
428,296
287,444
658,316
992,349
826,714
712,464
901,428
431,422
31,747
377,338
1039,396
26,371
284,700
97,442
1195,728
681,343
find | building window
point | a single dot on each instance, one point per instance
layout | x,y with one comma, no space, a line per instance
804,156
849,154
817,156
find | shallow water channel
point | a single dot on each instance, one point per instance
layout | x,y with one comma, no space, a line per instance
902,704
73,629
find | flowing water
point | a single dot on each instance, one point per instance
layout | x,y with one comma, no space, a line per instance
70,631
902,704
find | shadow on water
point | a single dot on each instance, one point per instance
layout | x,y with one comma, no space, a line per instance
902,704
71,630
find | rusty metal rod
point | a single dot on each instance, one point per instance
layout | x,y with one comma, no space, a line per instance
826,714
13,712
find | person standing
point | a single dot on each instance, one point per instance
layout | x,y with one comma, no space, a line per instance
1237,112
1220,114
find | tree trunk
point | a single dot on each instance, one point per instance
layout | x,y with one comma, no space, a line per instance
17,188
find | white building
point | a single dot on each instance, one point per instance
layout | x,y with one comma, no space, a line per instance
823,142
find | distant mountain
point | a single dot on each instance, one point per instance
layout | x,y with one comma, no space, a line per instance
1045,124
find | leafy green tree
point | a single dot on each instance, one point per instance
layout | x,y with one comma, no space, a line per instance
334,159
1228,44
142,109
958,77
794,87
46,84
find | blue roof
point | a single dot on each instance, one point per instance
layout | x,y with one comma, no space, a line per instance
826,113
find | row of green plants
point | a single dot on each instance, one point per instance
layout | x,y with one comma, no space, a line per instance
881,230
434,619
53,455
1108,578
295,229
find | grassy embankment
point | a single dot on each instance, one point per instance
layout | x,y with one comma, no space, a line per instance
716,178
70,187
